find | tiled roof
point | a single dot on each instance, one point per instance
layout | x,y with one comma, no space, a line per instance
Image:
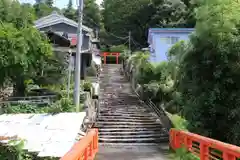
56,18
49,135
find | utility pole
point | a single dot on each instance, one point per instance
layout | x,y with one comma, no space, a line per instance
129,41
78,57
69,73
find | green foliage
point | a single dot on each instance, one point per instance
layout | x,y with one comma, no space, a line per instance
178,121
62,105
87,86
14,151
125,54
183,154
209,72
91,13
43,9
26,53
13,12
118,48
70,12
20,57
200,80
122,16
91,70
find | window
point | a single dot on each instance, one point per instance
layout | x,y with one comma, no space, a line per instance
169,40
174,40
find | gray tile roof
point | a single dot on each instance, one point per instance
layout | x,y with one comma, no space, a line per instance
56,18
49,135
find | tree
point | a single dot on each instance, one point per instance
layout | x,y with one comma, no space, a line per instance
70,12
49,3
25,52
91,13
70,5
42,9
122,16
13,12
210,72
20,56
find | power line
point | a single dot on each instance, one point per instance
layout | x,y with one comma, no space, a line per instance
136,43
123,38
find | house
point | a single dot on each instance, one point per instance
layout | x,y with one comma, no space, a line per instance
60,29
160,40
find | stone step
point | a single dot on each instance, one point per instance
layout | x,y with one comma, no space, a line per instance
122,107
135,136
125,112
114,119
133,133
111,117
124,115
116,104
134,140
130,126
129,129
126,106
127,144
130,123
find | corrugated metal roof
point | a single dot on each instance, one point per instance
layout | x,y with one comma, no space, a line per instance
56,18
49,135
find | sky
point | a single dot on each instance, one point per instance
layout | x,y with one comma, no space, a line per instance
58,3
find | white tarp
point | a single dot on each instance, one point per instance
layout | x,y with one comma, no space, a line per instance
50,135
96,59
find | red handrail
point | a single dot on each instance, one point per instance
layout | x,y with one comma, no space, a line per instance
85,149
205,148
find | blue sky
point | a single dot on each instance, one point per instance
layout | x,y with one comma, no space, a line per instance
58,3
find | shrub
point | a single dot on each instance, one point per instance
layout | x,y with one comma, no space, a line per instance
14,151
210,72
87,86
91,71
119,48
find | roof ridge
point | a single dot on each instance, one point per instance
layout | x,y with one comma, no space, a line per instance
55,18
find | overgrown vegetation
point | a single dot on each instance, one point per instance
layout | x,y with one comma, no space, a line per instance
122,16
14,151
200,82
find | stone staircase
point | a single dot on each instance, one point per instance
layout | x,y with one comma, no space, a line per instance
123,119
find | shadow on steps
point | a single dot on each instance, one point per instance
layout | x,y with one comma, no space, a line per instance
118,152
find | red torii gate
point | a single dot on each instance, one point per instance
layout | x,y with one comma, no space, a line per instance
105,54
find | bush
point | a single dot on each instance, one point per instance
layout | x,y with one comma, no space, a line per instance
210,72
91,71
14,151
87,86
119,48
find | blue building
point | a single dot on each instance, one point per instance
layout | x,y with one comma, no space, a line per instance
160,40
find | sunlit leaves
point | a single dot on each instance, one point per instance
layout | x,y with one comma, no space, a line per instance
209,71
